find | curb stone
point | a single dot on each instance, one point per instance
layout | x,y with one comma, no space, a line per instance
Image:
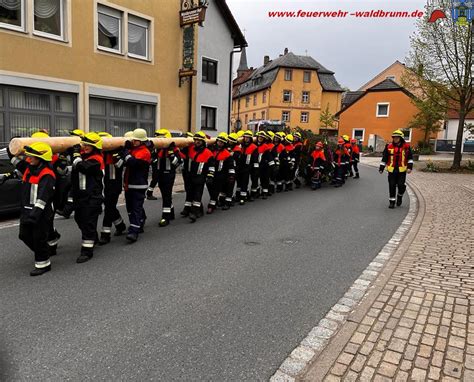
319,337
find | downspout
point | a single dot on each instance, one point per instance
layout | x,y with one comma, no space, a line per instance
190,108
230,86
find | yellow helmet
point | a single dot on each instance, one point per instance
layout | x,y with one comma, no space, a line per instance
233,137
223,137
240,133
270,134
398,133
92,139
200,136
281,135
162,133
248,133
40,134
104,134
139,135
262,133
77,133
289,138
297,135
346,138
40,150
128,134
189,134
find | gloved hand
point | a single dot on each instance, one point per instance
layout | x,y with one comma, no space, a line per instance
76,151
117,156
171,148
128,145
6,177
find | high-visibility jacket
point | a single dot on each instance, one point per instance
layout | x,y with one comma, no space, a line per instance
249,157
200,161
113,169
168,160
137,163
276,151
224,165
298,149
87,176
397,157
341,157
355,153
317,159
265,156
37,192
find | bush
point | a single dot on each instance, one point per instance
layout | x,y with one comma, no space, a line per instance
431,167
426,150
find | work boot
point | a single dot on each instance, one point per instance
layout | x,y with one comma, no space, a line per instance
185,212
226,206
210,209
149,196
104,238
164,222
242,201
265,195
200,211
132,237
279,188
357,176
271,189
84,257
193,214
289,187
399,200
392,204
120,229
172,217
40,271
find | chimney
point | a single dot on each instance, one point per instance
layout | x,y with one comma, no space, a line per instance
286,51
266,60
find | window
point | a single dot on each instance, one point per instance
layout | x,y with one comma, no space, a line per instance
254,116
263,114
286,95
254,100
307,76
246,118
49,18
209,71
304,117
138,37
264,97
24,111
383,109
208,118
117,116
358,134
247,101
305,97
288,74
12,14
407,134
285,116
109,29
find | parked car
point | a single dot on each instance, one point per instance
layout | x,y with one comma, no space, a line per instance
10,189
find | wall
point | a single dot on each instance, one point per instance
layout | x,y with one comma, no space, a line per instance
397,69
215,42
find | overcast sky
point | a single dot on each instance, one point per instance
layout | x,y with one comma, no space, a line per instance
356,49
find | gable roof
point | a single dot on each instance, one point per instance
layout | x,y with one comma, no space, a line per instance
264,76
350,97
381,73
384,86
236,33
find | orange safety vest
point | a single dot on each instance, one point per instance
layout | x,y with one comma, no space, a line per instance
397,157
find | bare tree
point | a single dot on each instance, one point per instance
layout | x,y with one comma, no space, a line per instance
441,59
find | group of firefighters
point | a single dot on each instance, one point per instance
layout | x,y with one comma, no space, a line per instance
238,168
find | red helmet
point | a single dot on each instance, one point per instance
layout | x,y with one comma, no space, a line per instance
340,141
319,145
353,141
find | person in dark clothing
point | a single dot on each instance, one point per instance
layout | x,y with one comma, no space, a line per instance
277,150
236,151
266,162
397,157
186,178
355,158
288,162
87,189
316,166
297,153
112,190
37,195
340,162
247,163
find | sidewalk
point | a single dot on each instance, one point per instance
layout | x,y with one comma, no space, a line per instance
419,324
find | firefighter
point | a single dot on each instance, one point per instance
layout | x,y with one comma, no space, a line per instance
37,195
277,152
188,203
355,158
398,158
247,162
340,162
167,161
112,190
316,166
348,147
236,151
288,164
223,175
87,188
137,158
297,152
266,162
200,172
271,145
154,171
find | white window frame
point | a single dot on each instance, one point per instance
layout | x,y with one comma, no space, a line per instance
22,27
290,93
359,129
111,12
290,72
282,115
303,95
410,135
377,109
306,115
144,24
62,12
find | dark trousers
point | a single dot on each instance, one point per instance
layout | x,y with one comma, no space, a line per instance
216,190
35,236
355,166
339,174
196,189
154,177
86,215
134,200
396,180
112,215
166,183
243,178
254,177
265,178
187,188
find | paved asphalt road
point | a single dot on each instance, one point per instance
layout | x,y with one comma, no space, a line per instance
227,298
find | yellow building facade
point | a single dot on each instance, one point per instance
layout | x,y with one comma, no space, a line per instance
293,89
91,64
